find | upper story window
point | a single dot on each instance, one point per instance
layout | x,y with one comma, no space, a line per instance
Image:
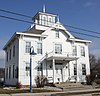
49,21
58,48
28,46
39,48
83,69
10,55
44,20
57,33
74,50
7,57
14,51
82,51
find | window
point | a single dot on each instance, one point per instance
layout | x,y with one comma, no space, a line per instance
13,71
10,55
44,21
16,72
57,33
49,21
7,57
39,48
28,46
6,73
74,51
75,69
83,69
14,51
9,72
58,48
27,69
82,51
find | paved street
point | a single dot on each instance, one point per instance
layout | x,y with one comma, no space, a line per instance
88,92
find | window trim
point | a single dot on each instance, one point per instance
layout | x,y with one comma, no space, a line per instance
10,54
83,69
82,49
27,69
75,69
7,56
74,50
39,48
60,48
57,35
27,47
14,51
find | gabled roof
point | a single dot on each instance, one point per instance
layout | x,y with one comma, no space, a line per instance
59,26
24,34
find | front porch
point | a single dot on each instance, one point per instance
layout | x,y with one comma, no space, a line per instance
56,67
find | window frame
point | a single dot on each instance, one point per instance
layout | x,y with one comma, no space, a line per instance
83,69
82,51
58,48
7,56
10,54
75,69
74,50
39,48
13,71
14,51
27,69
57,35
27,46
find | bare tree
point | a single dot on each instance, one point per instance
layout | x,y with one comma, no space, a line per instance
93,60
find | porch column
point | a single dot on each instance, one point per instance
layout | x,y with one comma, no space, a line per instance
53,70
68,71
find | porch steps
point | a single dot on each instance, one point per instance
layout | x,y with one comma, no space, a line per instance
73,86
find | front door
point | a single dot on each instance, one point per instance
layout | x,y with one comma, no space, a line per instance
59,73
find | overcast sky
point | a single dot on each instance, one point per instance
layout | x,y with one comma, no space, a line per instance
79,13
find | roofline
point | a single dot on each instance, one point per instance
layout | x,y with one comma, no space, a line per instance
50,14
20,33
47,13
80,40
9,41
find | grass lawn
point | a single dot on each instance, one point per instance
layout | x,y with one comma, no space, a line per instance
6,91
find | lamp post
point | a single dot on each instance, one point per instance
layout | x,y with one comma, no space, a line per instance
31,53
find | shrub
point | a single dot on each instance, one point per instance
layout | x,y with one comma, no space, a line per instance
90,79
18,85
41,81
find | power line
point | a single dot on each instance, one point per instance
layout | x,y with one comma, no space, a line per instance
14,19
82,29
31,23
15,13
84,34
63,24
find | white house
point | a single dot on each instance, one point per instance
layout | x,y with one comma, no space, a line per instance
60,56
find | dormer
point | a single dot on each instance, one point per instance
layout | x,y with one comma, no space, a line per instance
43,20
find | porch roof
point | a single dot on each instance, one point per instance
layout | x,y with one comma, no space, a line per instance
67,58
63,56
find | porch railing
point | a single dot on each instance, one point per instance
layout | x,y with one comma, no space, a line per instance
62,54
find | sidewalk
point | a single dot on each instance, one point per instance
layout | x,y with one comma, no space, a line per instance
86,92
